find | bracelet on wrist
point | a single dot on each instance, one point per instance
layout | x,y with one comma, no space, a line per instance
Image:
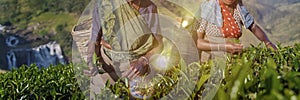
268,43
144,58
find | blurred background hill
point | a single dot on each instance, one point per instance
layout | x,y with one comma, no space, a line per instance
280,18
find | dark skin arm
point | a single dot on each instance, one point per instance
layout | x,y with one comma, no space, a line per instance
232,48
206,45
261,35
141,65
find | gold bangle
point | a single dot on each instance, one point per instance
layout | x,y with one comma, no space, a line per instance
147,61
268,43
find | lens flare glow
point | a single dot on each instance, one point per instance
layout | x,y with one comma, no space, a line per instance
185,23
160,62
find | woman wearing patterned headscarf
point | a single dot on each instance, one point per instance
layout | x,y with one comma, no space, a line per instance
219,29
220,26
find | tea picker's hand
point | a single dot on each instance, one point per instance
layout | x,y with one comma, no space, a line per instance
271,45
233,48
139,67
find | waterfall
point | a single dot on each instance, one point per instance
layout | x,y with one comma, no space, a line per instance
2,28
11,58
43,55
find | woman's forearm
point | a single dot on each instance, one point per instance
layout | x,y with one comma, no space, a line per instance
157,49
205,45
261,35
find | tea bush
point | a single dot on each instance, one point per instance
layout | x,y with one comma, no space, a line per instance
257,73
55,82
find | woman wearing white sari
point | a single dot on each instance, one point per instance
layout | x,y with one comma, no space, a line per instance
125,34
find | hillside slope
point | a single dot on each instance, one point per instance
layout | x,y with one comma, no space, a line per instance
280,18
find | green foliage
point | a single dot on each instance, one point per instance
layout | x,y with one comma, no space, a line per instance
55,82
64,38
263,73
42,32
17,10
257,73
